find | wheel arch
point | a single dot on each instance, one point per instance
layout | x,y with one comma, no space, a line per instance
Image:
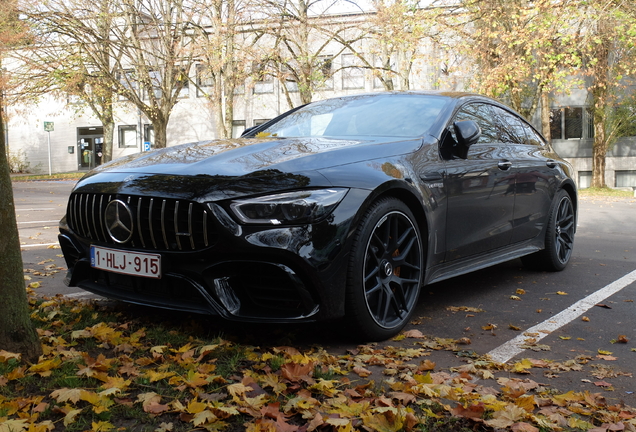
405,193
570,188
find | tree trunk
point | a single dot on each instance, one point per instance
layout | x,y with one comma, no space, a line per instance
161,139
545,116
599,151
109,135
17,333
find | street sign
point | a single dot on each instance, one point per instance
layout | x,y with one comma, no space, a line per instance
48,126
146,146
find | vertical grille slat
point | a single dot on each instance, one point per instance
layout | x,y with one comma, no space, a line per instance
163,224
94,226
190,233
80,217
156,227
102,207
141,231
151,223
176,224
85,218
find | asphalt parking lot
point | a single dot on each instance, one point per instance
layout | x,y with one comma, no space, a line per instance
582,316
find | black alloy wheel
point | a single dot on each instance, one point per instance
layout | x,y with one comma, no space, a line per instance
559,240
385,271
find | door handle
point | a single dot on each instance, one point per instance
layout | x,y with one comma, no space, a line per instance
504,165
551,163
432,177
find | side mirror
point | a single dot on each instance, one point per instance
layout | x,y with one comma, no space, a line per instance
467,133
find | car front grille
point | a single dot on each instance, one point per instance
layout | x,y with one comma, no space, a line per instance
159,224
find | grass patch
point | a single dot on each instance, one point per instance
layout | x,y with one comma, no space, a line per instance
58,176
606,192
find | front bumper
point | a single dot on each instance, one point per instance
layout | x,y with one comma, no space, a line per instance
255,273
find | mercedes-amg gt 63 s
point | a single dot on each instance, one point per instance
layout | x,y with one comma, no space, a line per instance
336,210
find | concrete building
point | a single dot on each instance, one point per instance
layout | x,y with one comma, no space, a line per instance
76,137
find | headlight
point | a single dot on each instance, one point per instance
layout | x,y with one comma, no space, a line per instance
298,207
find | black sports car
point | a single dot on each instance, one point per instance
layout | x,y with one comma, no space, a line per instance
337,209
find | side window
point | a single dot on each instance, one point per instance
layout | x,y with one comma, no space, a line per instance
482,115
532,137
509,127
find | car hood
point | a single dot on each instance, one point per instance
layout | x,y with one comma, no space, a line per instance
238,157
222,169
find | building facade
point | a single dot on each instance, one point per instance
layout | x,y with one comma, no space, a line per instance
62,135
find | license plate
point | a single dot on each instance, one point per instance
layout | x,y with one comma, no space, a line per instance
126,262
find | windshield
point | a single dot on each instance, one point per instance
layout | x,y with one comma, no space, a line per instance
400,115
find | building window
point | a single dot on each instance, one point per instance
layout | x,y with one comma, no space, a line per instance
258,122
325,66
205,80
352,75
155,85
127,136
238,126
128,81
571,123
585,179
291,86
556,123
626,178
263,81
265,85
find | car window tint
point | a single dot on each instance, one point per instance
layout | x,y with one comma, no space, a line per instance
363,115
482,115
509,127
532,136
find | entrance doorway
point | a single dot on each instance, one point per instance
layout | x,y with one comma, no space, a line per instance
90,142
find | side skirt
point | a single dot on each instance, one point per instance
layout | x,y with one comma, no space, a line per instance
470,264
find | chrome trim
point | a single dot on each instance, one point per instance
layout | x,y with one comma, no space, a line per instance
176,224
86,216
163,224
152,231
190,232
141,232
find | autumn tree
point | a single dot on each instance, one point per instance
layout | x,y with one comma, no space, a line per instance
305,36
72,55
400,33
17,333
521,50
156,42
225,49
608,46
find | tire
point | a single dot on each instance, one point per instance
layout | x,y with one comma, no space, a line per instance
385,271
559,237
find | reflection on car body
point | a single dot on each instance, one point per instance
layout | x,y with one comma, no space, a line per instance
339,209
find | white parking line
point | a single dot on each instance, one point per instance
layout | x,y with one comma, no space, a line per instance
33,222
507,351
18,209
41,244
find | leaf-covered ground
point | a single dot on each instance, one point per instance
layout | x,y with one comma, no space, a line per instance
106,369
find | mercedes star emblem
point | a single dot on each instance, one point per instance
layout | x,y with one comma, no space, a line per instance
119,221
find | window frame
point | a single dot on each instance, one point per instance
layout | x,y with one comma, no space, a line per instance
352,73
121,135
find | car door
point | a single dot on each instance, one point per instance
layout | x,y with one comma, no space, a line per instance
534,171
480,190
